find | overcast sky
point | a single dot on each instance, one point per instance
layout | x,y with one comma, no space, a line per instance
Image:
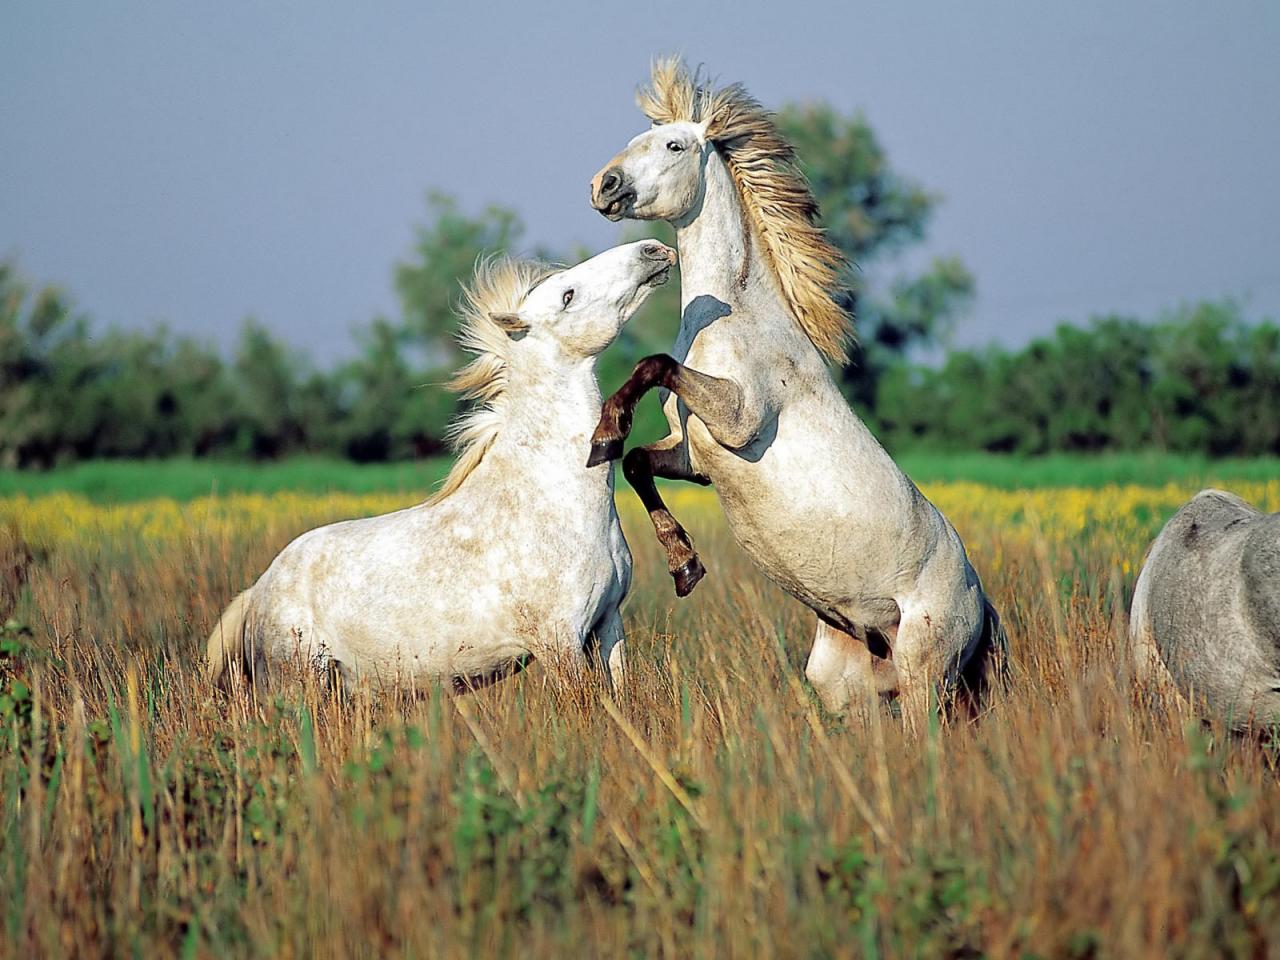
194,163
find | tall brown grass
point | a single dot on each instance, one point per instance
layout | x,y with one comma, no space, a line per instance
714,811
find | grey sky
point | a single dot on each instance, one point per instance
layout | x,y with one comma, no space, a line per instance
196,163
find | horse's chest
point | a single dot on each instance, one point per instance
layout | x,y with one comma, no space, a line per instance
788,554
585,562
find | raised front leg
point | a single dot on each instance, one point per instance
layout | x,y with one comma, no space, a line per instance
720,404
668,458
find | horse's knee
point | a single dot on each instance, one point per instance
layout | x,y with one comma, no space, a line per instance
840,670
839,677
830,687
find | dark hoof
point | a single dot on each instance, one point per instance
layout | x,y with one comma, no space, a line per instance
602,451
687,577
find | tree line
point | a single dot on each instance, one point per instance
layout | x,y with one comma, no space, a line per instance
1201,379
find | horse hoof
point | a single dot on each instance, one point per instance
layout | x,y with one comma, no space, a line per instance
602,451
687,577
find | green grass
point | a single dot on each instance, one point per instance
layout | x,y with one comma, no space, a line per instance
122,480
109,481
1078,470
714,810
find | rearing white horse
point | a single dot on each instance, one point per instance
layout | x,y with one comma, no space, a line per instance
520,553
808,491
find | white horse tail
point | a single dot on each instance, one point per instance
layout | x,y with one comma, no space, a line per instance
227,642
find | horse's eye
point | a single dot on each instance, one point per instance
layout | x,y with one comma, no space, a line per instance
675,146
567,298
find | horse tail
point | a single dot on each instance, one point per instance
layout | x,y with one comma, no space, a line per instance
226,644
996,639
988,664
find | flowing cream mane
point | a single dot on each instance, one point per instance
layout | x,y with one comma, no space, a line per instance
499,286
773,191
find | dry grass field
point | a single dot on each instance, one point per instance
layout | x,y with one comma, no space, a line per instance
713,811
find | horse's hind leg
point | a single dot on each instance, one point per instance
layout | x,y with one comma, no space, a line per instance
668,458
926,674
930,650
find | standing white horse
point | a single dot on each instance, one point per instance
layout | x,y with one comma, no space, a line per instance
808,491
519,554
1206,608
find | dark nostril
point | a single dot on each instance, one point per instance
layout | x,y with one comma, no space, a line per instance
609,182
654,251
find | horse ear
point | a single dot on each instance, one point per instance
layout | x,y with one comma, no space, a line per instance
514,325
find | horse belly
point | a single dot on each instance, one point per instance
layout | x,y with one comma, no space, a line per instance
793,510
814,557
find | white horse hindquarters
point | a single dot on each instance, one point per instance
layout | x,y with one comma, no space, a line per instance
1208,601
1147,664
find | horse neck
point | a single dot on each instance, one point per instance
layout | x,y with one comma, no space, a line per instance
721,259
550,408
722,265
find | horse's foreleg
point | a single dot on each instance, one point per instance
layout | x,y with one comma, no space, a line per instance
670,461
719,403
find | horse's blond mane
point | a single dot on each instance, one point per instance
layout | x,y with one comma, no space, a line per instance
499,286
772,189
